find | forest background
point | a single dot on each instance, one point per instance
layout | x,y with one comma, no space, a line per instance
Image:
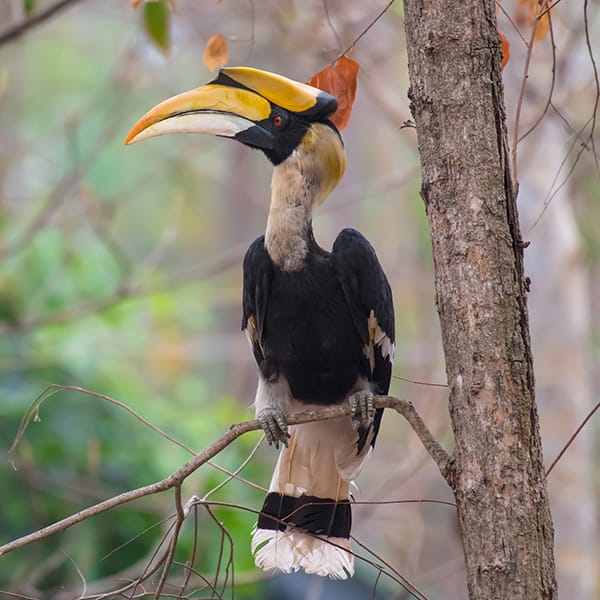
120,274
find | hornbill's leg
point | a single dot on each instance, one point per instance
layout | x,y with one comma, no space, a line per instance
272,420
363,409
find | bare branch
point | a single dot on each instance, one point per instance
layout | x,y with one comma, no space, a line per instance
53,389
572,438
552,83
404,407
329,22
416,382
588,44
172,544
14,32
365,31
520,105
412,589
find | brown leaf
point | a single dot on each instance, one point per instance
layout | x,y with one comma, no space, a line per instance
505,48
543,26
215,53
136,3
339,80
536,8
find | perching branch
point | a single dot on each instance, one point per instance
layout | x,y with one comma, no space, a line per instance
404,407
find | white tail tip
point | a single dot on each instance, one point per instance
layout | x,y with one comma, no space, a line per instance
289,551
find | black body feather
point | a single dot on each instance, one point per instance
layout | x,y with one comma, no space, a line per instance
311,325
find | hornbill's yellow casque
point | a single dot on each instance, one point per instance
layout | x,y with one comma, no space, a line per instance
320,323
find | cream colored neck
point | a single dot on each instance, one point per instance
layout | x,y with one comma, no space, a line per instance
289,221
299,183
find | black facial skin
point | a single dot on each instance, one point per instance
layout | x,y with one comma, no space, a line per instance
287,129
280,134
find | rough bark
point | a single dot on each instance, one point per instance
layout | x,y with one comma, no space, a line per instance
498,473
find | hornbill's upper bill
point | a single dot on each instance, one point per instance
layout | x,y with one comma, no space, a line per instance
321,324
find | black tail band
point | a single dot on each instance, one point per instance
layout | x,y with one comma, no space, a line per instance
322,516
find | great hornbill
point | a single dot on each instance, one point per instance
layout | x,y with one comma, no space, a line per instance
321,324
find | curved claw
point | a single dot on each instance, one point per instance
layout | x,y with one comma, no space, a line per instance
362,406
273,423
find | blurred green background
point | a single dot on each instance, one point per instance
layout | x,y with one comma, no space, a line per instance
120,273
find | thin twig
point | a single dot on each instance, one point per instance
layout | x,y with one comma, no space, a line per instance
377,578
150,568
156,560
329,22
552,84
410,587
550,6
588,44
364,31
12,33
417,382
229,565
253,31
234,474
17,595
136,537
190,564
552,192
511,21
79,573
193,503
572,438
520,107
172,543
54,388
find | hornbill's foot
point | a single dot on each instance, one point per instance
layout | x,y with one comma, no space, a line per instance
363,409
272,421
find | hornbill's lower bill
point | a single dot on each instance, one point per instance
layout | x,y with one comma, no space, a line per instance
321,324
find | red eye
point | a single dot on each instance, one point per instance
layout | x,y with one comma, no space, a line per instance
277,121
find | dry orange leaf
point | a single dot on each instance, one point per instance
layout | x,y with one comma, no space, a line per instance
136,3
215,53
339,80
536,8
505,48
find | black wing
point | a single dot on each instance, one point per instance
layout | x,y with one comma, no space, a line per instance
258,272
369,298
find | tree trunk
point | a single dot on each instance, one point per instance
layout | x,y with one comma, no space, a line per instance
498,473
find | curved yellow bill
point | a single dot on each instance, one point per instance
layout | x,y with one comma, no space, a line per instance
213,109
232,106
289,94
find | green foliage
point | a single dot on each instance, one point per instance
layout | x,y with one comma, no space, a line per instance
589,213
86,299
29,6
157,23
